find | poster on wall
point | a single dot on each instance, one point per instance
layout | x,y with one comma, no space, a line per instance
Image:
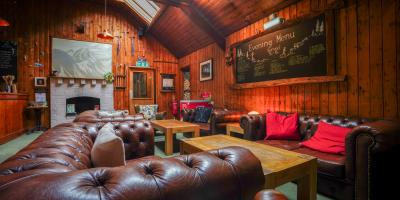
8,58
80,59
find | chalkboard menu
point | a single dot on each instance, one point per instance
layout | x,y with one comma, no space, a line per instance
298,50
8,58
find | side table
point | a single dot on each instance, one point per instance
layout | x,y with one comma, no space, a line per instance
38,117
234,127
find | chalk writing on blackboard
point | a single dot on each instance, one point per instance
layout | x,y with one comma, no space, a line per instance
296,51
8,58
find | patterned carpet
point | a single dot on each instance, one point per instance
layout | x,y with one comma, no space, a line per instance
12,147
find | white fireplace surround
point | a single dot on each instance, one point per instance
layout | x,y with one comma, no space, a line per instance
63,88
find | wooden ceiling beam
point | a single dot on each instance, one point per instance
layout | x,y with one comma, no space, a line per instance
197,18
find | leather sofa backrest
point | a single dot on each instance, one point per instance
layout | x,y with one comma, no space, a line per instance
308,124
138,136
92,116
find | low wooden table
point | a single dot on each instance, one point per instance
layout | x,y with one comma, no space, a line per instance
279,166
234,127
171,127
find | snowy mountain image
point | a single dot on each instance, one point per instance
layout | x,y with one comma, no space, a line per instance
78,59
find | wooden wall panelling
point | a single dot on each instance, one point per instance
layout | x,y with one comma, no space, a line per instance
366,44
34,23
398,57
389,51
363,52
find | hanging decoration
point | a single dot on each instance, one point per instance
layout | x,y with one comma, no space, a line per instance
105,35
133,46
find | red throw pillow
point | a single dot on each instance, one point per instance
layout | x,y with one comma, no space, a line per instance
280,127
328,138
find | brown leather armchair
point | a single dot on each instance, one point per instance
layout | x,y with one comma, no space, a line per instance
219,118
57,166
371,149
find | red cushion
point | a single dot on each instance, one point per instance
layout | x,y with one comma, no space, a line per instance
328,138
280,127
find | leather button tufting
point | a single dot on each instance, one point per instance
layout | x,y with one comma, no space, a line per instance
148,170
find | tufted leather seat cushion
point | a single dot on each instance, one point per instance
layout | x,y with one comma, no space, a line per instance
228,173
329,164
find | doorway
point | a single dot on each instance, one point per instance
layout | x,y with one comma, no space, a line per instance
142,87
186,93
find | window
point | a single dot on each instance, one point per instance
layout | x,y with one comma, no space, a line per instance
145,8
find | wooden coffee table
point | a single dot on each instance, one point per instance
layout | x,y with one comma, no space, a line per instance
171,127
279,166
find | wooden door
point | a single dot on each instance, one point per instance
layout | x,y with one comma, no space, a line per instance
141,87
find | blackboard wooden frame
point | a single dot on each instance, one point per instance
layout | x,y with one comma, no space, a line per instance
330,53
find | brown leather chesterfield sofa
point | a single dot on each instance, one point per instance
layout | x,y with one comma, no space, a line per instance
92,116
372,149
57,165
219,118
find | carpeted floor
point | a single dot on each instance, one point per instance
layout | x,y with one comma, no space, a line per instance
12,147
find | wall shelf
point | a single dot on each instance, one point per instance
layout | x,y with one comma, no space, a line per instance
290,81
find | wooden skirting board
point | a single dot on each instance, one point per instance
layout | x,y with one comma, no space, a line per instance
290,81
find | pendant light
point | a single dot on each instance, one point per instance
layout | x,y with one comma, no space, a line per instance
4,22
105,35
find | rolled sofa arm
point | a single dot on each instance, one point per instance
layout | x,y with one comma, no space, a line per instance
219,118
227,173
269,195
370,152
253,126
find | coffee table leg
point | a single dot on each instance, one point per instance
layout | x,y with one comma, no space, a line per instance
169,142
307,185
196,132
228,130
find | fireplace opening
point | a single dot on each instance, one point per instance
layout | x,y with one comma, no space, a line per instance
76,105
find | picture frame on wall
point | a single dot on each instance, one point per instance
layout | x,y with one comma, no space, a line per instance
206,70
167,82
40,82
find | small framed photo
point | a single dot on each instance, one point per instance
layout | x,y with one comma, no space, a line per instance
206,70
40,82
40,97
167,82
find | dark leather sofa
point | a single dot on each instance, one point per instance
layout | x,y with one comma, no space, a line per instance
57,165
92,116
362,173
219,118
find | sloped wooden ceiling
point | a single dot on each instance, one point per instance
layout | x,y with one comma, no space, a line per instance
184,26
232,15
178,33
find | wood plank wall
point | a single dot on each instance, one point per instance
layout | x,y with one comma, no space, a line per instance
367,47
34,23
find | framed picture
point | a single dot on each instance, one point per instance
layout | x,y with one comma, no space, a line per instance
167,82
206,70
40,82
